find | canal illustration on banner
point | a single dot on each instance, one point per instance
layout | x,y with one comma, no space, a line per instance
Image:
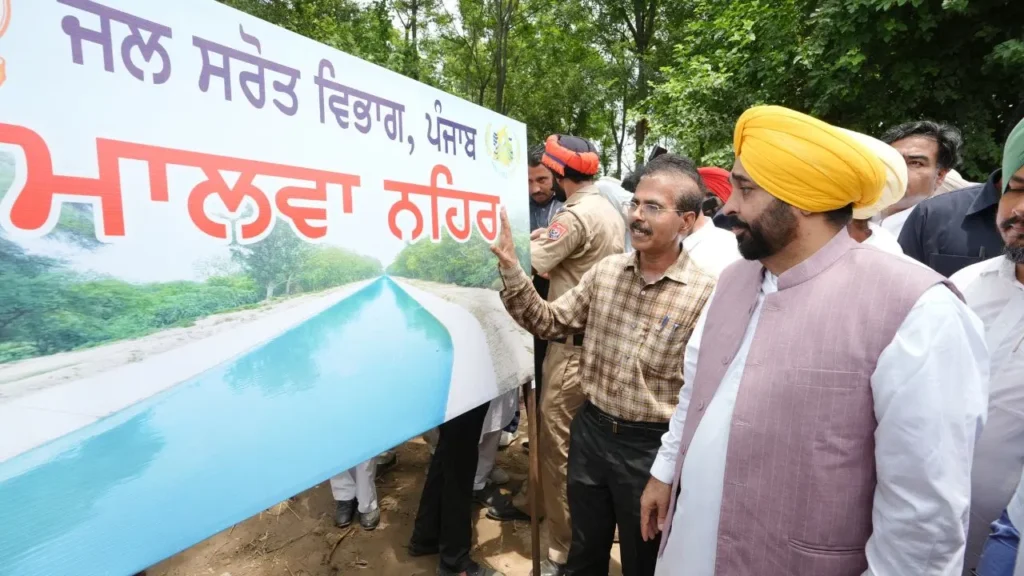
234,264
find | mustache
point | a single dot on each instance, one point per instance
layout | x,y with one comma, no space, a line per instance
735,222
1011,222
638,227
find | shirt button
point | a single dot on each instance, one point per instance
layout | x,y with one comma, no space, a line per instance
634,325
643,292
700,406
725,360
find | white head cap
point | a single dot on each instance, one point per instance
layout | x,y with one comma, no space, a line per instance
895,175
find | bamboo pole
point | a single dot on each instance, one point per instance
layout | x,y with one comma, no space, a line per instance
533,485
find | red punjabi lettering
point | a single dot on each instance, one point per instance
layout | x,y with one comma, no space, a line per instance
35,208
486,218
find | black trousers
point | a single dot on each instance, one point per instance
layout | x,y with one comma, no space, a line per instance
540,347
609,465
445,517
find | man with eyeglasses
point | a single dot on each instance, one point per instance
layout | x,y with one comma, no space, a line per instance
586,230
638,310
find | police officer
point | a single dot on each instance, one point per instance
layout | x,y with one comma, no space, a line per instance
586,229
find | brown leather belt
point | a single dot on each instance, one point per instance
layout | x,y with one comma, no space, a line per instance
577,340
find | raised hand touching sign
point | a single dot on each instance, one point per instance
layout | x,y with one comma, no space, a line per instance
504,247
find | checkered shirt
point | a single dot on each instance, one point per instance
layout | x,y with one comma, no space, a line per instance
636,332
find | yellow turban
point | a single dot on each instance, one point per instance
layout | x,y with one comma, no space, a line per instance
806,162
895,175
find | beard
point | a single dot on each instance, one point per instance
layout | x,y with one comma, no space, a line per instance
1015,254
771,232
559,191
1014,250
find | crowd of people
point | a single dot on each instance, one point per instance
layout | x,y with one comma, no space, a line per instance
809,364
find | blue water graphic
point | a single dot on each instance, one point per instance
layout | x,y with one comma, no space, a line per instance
151,480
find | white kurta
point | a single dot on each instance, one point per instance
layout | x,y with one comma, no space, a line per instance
994,294
930,390
894,223
883,239
712,248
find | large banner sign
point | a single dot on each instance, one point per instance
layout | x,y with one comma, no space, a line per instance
233,263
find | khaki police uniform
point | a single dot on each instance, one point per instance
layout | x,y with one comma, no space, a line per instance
586,230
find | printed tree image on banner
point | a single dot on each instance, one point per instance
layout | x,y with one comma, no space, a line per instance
217,239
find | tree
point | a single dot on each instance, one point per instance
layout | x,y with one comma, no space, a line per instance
450,262
862,64
273,261
30,288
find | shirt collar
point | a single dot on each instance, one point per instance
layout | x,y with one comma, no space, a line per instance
987,195
697,236
578,196
1006,269
680,271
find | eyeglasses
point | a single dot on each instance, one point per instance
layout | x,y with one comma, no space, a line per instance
649,210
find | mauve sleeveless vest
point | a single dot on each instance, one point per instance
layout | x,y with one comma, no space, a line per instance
800,467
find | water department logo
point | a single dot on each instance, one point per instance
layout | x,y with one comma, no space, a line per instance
503,149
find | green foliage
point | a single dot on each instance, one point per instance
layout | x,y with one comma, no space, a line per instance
365,32
862,64
329,267
274,261
45,309
450,262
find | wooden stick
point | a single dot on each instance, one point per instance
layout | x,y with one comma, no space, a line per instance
335,547
533,431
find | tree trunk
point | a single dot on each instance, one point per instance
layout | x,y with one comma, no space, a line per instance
504,11
415,50
620,138
270,290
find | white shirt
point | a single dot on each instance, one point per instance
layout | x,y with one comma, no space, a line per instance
883,240
712,248
929,387
993,292
614,193
894,222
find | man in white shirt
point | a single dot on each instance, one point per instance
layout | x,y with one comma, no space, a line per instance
861,228
994,289
711,248
827,423
613,192
930,150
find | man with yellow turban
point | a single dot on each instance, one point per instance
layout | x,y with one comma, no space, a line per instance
827,420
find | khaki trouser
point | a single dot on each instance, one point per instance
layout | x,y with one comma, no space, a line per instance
561,398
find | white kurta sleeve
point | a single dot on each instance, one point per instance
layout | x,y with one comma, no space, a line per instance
930,389
664,467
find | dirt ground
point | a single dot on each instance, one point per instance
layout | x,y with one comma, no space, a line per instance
298,537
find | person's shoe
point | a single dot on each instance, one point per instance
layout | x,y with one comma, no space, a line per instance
369,520
473,570
344,512
485,496
550,568
417,549
526,445
502,510
507,438
386,461
498,477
